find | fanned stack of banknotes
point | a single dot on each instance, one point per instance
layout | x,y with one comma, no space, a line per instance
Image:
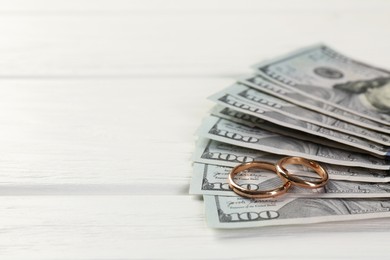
314,103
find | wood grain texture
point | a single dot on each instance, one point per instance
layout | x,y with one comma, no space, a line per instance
166,227
99,101
154,38
135,134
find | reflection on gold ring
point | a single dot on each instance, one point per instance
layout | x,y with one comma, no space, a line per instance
256,194
284,173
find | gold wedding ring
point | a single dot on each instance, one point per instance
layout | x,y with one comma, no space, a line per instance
285,174
256,194
280,169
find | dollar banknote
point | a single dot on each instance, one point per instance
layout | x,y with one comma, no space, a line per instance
320,73
299,125
211,179
252,96
250,137
289,95
223,154
238,212
252,121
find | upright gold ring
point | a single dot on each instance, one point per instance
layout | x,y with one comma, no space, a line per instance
284,173
256,194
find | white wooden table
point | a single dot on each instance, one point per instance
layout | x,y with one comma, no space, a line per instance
99,101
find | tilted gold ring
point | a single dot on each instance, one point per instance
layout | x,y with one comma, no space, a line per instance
256,194
284,173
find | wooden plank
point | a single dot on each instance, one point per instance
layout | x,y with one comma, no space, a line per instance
175,40
66,132
134,134
166,227
107,6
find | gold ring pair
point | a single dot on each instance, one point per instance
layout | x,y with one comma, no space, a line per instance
279,168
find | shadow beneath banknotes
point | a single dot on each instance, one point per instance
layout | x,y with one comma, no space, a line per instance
197,197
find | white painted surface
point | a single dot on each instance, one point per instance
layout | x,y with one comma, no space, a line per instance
99,101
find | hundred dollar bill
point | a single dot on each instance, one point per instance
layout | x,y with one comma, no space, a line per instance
323,74
252,121
208,179
253,96
238,212
260,83
223,154
230,132
286,121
